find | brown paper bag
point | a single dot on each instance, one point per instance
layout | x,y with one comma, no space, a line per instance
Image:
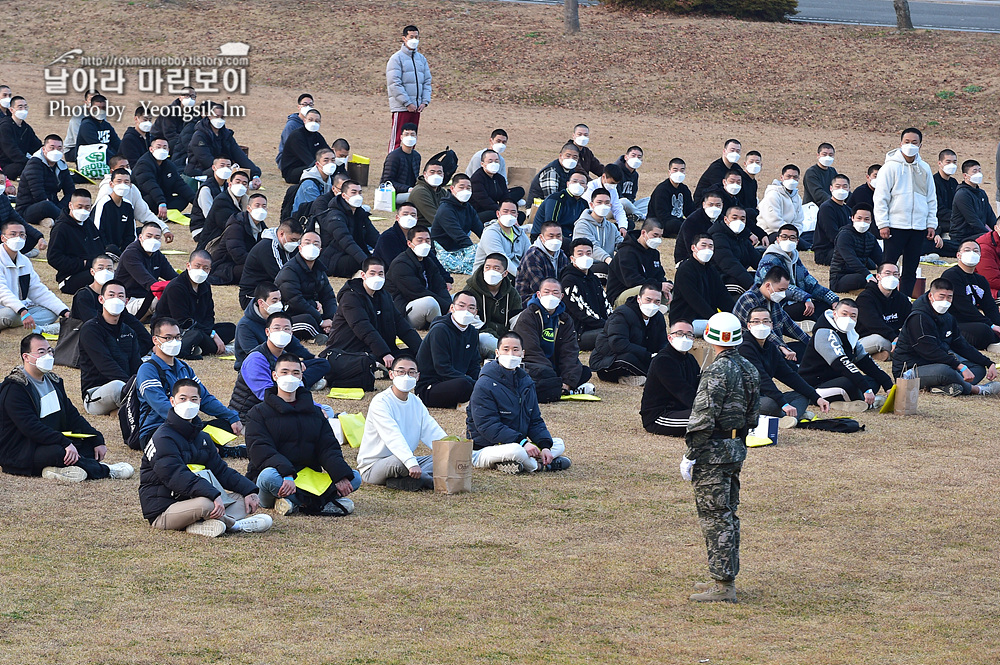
520,176
907,391
452,466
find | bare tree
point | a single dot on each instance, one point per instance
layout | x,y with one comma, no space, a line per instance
903,20
571,16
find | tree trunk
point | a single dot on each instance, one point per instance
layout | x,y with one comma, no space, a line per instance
571,16
903,20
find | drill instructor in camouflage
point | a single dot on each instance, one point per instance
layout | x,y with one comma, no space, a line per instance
725,407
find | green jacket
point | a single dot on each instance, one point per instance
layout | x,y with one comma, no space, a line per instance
728,398
495,311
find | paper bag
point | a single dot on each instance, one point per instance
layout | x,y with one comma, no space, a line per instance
767,428
385,197
520,176
907,391
452,466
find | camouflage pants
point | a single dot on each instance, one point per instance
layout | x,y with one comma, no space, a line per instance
717,495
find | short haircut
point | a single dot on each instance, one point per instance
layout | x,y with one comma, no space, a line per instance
408,127
862,206
498,132
968,164
732,208
459,177
347,183
713,193
11,222
304,95
271,318
488,151
651,223
98,99
736,172
215,105
406,205
600,191
288,358
845,302
372,261
548,225
582,242
874,168
789,227
676,160
100,257
510,334
118,172
497,256
399,359
649,286
912,130
576,127
728,141
566,146
322,151
825,146
290,226
314,111
410,28
941,284
149,224
946,153
199,254
841,176
468,294
701,236
758,310
111,282
256,195
547,280
419,228
614,172
184,383
50,137
115,160
80,192
886,263
754,153
432,162
790,167
342,144
27,340
165,322
141,112
633,147
775,274
263,290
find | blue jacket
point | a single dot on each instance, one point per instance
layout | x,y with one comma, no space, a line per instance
293,122
154,394
803,286
453,222
504,409
250,334
561,207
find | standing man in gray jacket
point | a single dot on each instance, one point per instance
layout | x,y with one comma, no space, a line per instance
408,82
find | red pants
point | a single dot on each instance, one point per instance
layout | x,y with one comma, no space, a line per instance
400,118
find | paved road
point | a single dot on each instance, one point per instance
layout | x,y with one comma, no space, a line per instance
979,16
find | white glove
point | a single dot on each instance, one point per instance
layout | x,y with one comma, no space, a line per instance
687,466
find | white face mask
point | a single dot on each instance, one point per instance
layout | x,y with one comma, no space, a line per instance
681,344
492,167
602,210
841,194
407,221
412,43
45,363
549,302
648,309
21,115
826,160
941,306
309,252
777,296
760,331
583,262
171,348
198,276
145,126
553,244
787,246
15,243
970,259
507,221
188,102
356,201
498,148
218,123
187,410
677,177
568,164
289,247
889,283
409,141
422,250
733,157
492,277
734,188
463,317
102,277
280,338
312,126
274,307
375,282
54,155
737,226
405,383
79,214
434,179
844,323
653,243
5,102
790,185
463,195
705,255
329,168
340,161
114,306
151,245
222,173
288,383
576,189
753,168
909,149
950,168
581,140
238,189
713,212
976,178
100,116
121,189
633,162
613,187
861,227
258,214
509,362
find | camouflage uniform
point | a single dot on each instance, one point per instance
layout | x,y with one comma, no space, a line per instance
728,399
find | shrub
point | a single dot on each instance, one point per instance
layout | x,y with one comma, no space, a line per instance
758,10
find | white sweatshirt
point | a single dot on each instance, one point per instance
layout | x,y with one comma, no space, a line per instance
395,427
616,203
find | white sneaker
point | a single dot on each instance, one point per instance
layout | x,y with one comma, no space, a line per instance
230,349
879,401
338,508
32,253
994,348
807,325
319,385
51,329
66,474
991,388
207,528
637,381
585,389
787,422
254,524
120,470
283,506
852,406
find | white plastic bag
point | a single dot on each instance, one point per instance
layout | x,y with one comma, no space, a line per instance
385,197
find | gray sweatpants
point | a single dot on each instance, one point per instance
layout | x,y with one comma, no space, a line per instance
393,467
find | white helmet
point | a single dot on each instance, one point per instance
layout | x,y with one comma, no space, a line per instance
724,329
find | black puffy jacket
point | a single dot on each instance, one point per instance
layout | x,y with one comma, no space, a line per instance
626,337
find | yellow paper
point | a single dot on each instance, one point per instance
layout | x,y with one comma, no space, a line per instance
580,398
220,436
226,357
346,393
50,336
195,468
890,402
173,252
177,217
353,425
377,219
77,173
74,435
758,441
314,482
358,159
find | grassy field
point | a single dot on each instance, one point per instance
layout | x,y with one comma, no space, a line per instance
877,547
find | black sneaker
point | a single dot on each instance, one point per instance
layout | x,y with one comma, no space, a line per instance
558,464
405,484
236,452
951,390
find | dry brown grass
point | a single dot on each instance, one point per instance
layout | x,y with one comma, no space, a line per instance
877,547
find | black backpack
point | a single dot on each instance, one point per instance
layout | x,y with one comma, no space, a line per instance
350,369
130,412
289,201
839,425
449,162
